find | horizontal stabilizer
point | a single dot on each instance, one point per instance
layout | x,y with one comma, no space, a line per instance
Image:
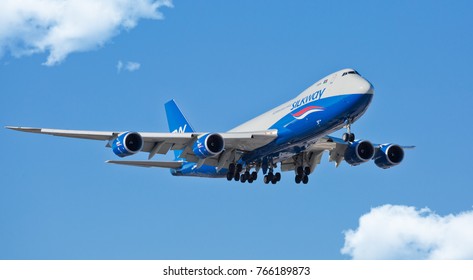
148,163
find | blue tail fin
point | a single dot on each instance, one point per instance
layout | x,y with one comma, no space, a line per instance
177,121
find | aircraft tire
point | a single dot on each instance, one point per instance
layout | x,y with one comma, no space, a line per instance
231,168
237,176
254,175
298,179
305,179
229,176
277,176
307,170
265,179
351,137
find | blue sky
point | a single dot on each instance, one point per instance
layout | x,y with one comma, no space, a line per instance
225,62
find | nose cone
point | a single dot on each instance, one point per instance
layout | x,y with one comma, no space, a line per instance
363,86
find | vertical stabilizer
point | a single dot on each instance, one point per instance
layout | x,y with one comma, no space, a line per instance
177,121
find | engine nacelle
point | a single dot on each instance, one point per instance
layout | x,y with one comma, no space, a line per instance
389,155
127,144
359,152
208,145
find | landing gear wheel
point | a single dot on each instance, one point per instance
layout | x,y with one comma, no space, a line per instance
270,176
351,137
237,177
239,168
277,176
348,137
300,170
298,179
305,179
242,179
307,170
254,175
231,168
265,179
250,180
229,176
274,181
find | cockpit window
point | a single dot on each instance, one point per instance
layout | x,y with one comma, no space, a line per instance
350,72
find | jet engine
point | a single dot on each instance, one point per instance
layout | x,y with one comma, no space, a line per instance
127,144
359,152
208,145
389,155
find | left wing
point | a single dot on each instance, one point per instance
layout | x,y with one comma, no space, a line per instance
337,149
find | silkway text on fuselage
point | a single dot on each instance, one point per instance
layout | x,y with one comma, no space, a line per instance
309,98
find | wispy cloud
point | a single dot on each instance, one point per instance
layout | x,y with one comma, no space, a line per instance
403,232
61,27
128,66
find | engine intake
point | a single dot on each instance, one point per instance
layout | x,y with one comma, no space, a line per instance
208,145
389,155
359,152
127,144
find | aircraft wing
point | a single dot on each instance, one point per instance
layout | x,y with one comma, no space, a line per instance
335,146
161,143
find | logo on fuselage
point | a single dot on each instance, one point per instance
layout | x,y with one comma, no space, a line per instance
309,98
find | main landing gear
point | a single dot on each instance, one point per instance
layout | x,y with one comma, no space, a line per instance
272,177
302,175
235,173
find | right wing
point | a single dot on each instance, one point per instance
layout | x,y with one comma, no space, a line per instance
161,143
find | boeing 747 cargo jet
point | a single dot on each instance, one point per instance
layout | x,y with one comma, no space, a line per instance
292,137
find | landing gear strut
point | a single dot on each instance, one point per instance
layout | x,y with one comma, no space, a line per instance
348,136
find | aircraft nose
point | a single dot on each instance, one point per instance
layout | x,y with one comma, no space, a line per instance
363,86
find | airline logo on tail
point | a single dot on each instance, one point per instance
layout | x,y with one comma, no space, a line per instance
180,129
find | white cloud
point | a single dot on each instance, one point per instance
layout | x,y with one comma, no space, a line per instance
402,232
61,27
128,66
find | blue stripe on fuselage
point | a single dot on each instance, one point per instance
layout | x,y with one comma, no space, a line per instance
294,133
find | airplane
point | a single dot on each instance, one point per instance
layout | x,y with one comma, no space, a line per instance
292,136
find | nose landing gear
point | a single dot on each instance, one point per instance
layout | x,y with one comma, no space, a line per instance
348,136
